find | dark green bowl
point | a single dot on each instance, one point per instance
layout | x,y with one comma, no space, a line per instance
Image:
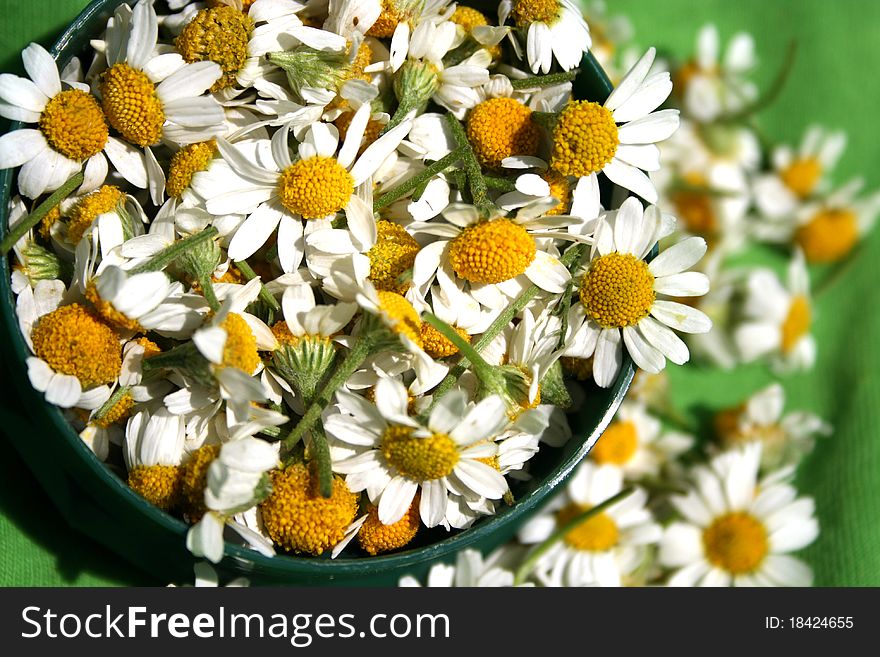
95,501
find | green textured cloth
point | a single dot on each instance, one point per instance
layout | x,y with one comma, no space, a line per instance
832,83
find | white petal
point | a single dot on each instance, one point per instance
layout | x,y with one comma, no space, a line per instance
687,284
128,161
42,69
373,157
189,82
644,355
679,257
143,36
631,81
291,249
653,128
20,146
396,498
22,93
680,317
607,358
663,339
548,273
632,179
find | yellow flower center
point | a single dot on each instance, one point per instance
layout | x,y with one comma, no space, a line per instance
400,315
374,537
393,254
736,542
560,189
118,412
131,104
584,140
185,163
802,176
74,342
420,459
240,350
596,534
194,480
388,20
245,4
694,206
828,236
89,208
298,518
150,347
157,484
49,221
618,290
217,34
797,323
617,445
436,345
74,125
526,12
315,187
500,128
580,368
108,312
732,433
468,18
492,251
685,75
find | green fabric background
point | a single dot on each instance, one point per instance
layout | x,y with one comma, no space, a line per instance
834,83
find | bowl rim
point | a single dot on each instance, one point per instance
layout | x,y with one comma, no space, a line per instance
248,559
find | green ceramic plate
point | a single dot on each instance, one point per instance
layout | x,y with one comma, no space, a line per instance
94,500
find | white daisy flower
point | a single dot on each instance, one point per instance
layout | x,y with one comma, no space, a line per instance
711,88
618,138
404,21
605,550
799,174
778,318
737,530
153,450
785,438
618,295
280,193
399,457
636,443
470,570
150,98
554,29
72,130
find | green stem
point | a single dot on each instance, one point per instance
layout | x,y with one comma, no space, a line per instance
499,184
265,295
544,80
413,183
479,190
171,253
208,290
771,94
529,563
22,227
114,399
474,358
362,348
320,452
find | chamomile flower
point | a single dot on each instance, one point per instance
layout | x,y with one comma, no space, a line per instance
785,438
405,21
604,550
799,174
282,193
398,457
471,569
618,296
777,318
72,130
711,88
636,443
149,98
153,450
495,255
618,138
737,530
554,29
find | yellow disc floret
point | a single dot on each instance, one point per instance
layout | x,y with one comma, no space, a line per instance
797,323
736,542
240,349
157,484
108,311
829,235
194,480
596,534
694,205
245,4
388,20
492,251
75,342
437,345
526,12
131,104
560,189
315,187
400,315
48,222
89,207
375,538
802,176
617,445
74,124
117,413
502,127
185,163
618,290
393,254
420,459
585,139
299,519
217,34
